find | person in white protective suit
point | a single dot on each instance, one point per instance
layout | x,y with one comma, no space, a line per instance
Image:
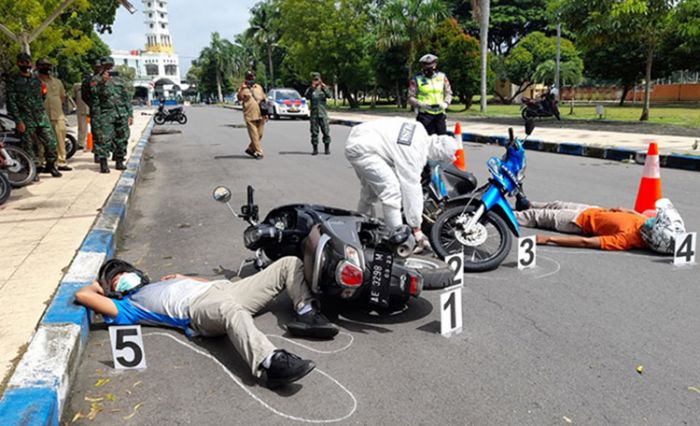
388,156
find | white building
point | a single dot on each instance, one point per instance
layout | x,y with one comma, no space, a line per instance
157,67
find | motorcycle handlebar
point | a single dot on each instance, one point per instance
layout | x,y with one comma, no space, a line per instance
511,136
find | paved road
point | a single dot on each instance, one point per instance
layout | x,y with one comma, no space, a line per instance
547,346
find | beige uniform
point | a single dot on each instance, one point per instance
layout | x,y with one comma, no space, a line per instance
251,97
82,111
53,102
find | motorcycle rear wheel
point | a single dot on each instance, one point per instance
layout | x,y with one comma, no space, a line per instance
477,258
159,118
26,170
436,273
5,188
182,119
71,146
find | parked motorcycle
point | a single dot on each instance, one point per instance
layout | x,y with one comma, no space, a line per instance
16,164
481,223
347,255
7,128
547,106
174,114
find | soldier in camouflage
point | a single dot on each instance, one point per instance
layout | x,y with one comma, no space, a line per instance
317,94
123,115
88,93
25,105
102,91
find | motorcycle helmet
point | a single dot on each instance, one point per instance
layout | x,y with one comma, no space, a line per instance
659,232
428,64
554,91
111,269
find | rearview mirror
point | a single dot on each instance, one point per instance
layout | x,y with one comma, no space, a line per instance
529,126
221,194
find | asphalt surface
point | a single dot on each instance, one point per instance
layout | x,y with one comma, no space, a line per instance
554,345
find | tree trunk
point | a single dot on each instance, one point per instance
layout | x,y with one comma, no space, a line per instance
573,100
271,81
625,90
398,95
647,86
218,87
484,44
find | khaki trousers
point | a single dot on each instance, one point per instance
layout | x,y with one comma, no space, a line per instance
82,130
228,308
556,215
59,130
255,132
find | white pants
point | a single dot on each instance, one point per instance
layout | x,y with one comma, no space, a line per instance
379,183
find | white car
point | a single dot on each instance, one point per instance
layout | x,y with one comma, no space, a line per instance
287,103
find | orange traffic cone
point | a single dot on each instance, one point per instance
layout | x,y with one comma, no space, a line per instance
88,143
650,185
459,161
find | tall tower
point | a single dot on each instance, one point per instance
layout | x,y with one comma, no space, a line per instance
157,26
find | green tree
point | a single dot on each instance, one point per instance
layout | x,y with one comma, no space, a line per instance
263,32
520,65
407,23
646,23
127,75
219,60
681,49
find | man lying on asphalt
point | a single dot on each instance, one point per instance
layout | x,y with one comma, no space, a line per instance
123,295
606,229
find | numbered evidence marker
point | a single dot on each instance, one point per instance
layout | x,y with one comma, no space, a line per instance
451,298
127,346
684,249
527,252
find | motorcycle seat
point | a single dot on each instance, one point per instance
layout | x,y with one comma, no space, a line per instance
463,181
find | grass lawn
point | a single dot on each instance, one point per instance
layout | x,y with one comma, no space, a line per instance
679,115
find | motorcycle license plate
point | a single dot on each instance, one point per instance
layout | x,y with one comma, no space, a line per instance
381,278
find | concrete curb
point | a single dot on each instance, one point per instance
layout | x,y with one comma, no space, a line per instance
672,161
38,389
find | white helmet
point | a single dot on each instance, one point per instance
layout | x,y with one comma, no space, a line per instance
554,91
427,59
659,232
442,148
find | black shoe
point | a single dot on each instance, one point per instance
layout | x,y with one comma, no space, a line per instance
51,168
286,368
328,149
315,151
36,177
522,203
119,164
249,152
104,168
259,156
95,159
312,324
65,168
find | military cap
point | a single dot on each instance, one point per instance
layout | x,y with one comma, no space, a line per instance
315,75
43,62
107,60
24,57
96,62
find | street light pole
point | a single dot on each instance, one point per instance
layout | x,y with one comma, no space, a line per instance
484,40
558,61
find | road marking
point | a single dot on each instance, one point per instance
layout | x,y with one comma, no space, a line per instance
335,351
527,273
258,399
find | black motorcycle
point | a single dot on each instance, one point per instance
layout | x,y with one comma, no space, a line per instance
347,256
171,115
15,162
546,106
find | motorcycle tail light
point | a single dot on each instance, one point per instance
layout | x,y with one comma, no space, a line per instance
352,255
415,285
349,275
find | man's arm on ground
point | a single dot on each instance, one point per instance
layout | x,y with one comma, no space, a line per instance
570,241
92,297
180,276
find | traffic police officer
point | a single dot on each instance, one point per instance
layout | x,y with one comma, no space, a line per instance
122,118
25,106
317,94
430,93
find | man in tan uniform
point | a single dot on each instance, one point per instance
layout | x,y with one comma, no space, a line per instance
250,94
53,102
82,111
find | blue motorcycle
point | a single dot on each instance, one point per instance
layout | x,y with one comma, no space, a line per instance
481,225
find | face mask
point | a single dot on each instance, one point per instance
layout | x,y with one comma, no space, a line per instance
127,282
250,82
25,68
429,71
44,71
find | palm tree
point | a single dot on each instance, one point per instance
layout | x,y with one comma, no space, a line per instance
406,23
263,31
481,10
220,55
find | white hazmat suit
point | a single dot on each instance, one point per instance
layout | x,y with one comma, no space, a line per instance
388,156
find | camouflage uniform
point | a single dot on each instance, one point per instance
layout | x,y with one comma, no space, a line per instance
318,116
88,91
121,121
25,103
102,116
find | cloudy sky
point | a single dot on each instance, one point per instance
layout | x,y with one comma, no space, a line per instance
191,24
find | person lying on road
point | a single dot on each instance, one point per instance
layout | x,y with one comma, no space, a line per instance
388,156
606,229
124,296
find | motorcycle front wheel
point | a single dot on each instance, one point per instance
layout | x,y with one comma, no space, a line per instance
182,119
5,188
436,273
484,248
24,172
159,118
71,146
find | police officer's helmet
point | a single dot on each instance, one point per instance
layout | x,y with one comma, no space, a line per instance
111,269
428,59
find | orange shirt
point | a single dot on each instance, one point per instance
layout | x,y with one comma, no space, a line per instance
617,230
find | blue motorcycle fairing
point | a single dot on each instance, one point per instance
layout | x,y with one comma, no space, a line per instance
493,200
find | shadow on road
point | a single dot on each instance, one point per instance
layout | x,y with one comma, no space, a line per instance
294,153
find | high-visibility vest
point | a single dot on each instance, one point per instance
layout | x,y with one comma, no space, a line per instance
431,91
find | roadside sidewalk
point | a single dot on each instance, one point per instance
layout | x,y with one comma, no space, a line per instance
41,229
590,138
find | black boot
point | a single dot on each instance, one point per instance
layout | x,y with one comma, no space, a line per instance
120,164
286,368
95,159
51,168
328,149
315,151
104,168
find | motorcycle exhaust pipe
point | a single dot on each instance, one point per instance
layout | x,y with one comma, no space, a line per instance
405,249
